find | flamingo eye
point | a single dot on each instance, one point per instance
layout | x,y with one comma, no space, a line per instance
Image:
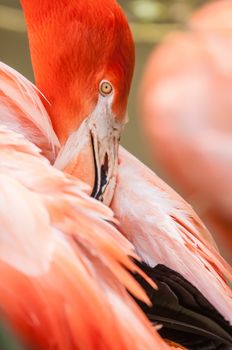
105,88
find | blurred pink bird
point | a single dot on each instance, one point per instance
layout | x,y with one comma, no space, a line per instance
187,108
83,66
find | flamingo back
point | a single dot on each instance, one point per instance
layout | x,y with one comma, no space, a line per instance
165,230
64,267
22,110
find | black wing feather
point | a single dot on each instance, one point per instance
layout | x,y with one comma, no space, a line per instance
187,317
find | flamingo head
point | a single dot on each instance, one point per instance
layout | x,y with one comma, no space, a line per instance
83,59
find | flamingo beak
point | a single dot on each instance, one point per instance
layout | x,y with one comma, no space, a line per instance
105,154
91,154
105,132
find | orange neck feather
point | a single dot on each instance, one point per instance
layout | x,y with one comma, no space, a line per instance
75,44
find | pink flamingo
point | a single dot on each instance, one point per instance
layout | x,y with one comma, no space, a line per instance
187,111
83,58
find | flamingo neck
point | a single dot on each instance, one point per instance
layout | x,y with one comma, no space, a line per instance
74,45
53,41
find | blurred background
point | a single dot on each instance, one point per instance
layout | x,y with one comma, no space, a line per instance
150,21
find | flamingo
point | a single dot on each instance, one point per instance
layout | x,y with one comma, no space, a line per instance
191,139
83,59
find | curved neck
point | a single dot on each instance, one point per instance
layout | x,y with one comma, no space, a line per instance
51,45
74,45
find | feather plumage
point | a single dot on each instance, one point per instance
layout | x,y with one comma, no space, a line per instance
62,263
165,230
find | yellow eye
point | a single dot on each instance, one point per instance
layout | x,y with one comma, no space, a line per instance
105,88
